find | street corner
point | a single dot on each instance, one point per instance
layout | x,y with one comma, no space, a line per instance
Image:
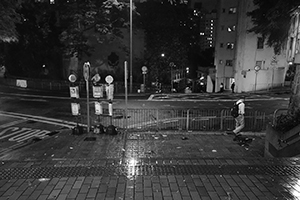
17,132
65,145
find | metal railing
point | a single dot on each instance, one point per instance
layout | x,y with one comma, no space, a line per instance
179,119
58,85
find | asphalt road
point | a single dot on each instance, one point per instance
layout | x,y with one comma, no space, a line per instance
38,103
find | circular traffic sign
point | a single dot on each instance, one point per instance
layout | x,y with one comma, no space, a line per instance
72,78
144,69
257,68
109,79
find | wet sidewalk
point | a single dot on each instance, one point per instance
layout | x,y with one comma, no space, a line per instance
147,165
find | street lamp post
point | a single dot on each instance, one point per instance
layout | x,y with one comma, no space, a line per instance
130,59
171,66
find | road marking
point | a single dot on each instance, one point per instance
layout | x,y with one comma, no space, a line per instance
12,123
17,134
46,120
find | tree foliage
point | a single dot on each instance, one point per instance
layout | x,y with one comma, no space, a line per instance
78,17
49,31
170,30
8,20
271,19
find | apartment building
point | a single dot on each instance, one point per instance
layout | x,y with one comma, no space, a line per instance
207,22
241,56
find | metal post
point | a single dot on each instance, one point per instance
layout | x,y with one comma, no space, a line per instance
87,106
130,61
171,79
126,95
255,81
187,119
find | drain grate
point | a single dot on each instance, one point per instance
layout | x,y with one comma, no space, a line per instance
119,170
90,139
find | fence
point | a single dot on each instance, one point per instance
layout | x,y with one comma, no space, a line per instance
179,119
58,85
159,119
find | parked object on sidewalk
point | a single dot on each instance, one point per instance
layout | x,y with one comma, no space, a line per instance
111,130
77,130
99,129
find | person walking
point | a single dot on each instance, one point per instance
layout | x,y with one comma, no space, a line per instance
232,86
239,119
221,88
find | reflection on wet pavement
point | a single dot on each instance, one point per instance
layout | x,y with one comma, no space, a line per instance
207,164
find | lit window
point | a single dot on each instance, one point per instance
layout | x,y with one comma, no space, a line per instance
220,61
232,10
231,28
201,33
230,45
229,63
52,1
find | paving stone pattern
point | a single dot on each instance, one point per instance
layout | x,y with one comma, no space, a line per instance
144,166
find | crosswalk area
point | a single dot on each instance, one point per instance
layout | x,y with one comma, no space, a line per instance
16,132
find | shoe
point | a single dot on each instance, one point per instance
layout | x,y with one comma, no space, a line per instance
230,132
237,137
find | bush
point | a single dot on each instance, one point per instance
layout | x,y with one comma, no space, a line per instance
286,122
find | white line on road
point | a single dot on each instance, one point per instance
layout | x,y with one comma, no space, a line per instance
47,120
12,123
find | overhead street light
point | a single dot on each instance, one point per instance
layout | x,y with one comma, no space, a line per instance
130,59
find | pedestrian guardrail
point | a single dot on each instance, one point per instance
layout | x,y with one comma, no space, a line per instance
179,119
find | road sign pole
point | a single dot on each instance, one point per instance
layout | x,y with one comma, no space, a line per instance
126,95
86,74
87,106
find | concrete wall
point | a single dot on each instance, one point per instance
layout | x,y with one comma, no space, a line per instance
273,68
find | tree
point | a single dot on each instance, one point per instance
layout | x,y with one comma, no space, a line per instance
272,19
49,31
78,17
9,19
170,30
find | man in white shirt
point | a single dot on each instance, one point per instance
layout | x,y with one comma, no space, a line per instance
240,119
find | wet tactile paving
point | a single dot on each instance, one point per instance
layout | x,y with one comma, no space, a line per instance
115,168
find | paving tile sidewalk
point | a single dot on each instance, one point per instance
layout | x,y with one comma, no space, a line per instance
152,165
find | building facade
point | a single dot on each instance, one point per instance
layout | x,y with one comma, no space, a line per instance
243,57
207,22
